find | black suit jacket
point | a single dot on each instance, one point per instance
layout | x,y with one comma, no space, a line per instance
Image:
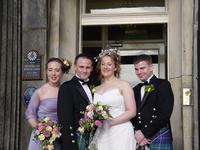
154,111
72,99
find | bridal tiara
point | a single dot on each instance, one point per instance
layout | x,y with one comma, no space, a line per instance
108,52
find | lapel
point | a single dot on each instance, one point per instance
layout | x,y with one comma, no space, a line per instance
144,99
80,89
153,81
138,95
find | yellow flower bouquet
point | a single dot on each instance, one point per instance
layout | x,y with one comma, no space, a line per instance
46,132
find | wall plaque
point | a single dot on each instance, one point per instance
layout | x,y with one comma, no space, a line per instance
32,66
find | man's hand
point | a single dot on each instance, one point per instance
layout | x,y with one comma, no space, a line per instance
139,136
145,141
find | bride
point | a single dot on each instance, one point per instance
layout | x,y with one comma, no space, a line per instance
117,133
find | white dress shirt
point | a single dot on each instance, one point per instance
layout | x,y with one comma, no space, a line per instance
143,87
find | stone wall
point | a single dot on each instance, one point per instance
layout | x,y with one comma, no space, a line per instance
34,37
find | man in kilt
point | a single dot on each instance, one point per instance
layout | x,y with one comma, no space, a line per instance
154,100
73,97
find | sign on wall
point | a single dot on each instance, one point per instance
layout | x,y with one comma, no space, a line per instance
32,66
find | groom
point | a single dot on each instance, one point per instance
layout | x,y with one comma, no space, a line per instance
154,100
73,97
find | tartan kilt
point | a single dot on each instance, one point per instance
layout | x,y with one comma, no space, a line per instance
83,140
162,140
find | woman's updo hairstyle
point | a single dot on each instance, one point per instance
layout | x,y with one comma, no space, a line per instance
65,64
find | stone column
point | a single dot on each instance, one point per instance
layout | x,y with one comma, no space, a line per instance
175,69
187,70
10,74
68,32
196,81
54,28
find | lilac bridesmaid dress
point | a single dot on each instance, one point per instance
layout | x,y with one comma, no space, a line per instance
39,109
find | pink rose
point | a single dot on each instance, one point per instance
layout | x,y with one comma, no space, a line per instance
55,130
40,126
98,123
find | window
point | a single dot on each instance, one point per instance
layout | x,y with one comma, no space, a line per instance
102,6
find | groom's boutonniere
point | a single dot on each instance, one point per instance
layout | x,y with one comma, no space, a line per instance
92,88
149,88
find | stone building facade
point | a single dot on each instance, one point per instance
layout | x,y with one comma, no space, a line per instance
168,30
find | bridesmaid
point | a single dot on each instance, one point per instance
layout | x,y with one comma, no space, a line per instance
43,103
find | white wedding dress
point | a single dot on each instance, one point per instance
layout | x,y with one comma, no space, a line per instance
118,137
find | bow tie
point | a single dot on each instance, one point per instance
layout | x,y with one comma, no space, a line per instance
83,81
144,83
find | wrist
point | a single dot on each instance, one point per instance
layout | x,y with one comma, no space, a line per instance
110,122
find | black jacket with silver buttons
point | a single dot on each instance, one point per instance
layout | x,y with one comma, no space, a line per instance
154,111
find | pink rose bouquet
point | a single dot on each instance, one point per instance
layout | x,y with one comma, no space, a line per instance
46,132
94,115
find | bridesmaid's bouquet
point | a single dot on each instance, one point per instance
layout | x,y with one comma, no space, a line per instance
46,132
94,115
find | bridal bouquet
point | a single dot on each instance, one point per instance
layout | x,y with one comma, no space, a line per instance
46,132
94,115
